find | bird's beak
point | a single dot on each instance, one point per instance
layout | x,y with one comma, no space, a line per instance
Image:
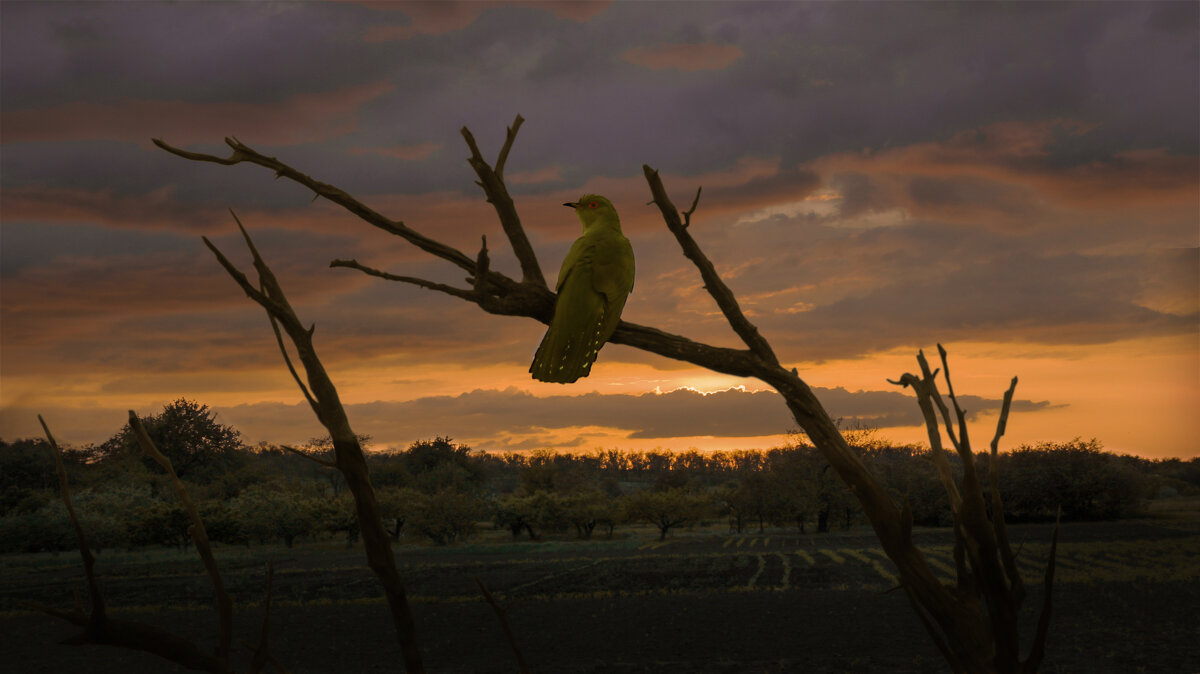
572,204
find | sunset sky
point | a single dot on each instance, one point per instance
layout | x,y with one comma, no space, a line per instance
1020,182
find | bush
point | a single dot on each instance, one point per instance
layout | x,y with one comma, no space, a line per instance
274,510
1087,483
444,517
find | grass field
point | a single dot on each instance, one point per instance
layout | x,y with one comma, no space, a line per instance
701,601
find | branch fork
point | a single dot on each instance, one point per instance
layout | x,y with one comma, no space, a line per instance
973,625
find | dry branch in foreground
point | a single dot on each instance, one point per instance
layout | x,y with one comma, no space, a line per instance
100,629
973,638
323,397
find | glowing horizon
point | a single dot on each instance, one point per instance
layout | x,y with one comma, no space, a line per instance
862,198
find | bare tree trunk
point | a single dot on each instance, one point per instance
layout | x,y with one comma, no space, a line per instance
325,403
974,625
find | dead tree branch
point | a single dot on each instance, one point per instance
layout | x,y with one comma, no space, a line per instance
198,534
976,637
502,616
492,182
89,560
101,629
988,577
348,452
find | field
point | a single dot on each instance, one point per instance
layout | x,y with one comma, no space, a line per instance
1126,599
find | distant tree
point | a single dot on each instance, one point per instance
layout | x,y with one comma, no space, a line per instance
541,473
446,516
26,463
1086,481
515,512
667,509
396,504
278,510
440,464
187,432
584,510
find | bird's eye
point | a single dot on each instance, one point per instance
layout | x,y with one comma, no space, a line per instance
593,204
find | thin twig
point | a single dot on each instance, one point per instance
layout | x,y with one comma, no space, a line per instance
1007,556
720,292
510,134
1038,650
89,561
198,534
261,655
244,153
492,183
310,457
522,666
287,360
412,280
349,454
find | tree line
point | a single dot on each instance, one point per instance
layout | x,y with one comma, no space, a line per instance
444,491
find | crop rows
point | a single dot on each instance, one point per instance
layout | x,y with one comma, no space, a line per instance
684,565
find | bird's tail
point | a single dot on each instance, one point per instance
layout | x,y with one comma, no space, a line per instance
564,357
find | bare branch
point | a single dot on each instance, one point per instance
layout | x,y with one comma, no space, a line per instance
199,537
522,666
287,360
945,472
712,281
101,629
493,186
930,377
972,636
687,215
1006,554
510,134
1038,650
347,450
420,282
261,656
310,457
89,561
243,153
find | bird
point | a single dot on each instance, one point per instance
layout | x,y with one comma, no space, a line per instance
595,279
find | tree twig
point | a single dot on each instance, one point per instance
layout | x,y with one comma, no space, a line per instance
522,666
492,182
310,457
243,153
977,641
89,560
712,281
348,452
99,627
199,537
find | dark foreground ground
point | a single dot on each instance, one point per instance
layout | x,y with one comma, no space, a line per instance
1126,600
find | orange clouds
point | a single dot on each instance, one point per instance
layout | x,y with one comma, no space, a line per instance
301,118
684,57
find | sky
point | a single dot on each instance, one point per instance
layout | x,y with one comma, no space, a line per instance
1017,181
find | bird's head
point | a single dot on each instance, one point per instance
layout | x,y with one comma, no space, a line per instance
594,209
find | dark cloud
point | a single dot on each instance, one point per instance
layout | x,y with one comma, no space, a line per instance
875,174
485,416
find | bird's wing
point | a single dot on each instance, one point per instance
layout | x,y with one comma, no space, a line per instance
612,265
612,277
581,253
570,345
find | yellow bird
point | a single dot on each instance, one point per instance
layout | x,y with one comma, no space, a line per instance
595,279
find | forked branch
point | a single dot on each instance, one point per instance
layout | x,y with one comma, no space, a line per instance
348,453
99,628
974,639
